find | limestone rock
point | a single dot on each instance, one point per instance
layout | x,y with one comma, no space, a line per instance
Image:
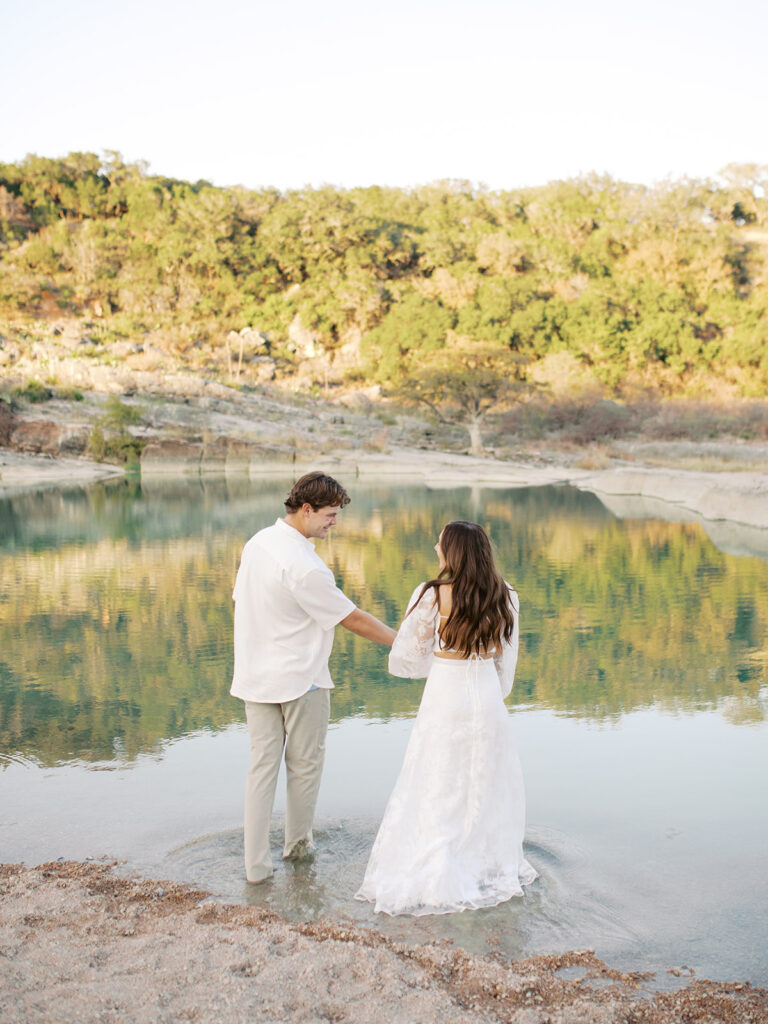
172,457
250,340
226,455
362,398
348,353
36,436
305,340
121,349
69,335
47,438
265,368
74,440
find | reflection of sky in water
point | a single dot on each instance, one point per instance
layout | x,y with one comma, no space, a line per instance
641,709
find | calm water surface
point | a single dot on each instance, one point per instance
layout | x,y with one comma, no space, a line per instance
641,709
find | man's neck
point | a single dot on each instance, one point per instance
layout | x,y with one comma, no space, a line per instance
293,520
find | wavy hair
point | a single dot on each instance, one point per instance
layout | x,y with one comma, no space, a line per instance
481,613
318,490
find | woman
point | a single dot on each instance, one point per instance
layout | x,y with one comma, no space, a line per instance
452,834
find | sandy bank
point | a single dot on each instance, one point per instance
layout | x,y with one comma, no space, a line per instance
21,471
79,943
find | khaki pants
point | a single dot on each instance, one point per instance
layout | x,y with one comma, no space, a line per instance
298,727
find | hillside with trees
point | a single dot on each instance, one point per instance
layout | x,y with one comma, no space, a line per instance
625,286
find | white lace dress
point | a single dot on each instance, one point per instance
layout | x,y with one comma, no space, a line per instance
452,834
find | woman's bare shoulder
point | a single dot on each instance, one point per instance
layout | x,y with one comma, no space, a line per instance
421,597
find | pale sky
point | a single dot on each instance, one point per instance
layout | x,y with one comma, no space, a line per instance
499,92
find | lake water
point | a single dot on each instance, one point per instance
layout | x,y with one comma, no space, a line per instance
640,707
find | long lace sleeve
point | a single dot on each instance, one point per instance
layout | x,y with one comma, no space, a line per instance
506,659
414,646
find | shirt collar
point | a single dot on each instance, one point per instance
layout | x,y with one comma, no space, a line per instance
294,533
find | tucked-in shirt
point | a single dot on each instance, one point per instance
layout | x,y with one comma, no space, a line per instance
418,638
286,606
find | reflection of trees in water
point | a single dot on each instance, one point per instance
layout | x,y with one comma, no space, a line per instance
136,510
116,614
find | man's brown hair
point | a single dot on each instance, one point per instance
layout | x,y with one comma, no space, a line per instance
318,490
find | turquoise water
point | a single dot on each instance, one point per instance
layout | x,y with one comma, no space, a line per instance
640,709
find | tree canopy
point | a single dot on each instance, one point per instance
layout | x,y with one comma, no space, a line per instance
655,285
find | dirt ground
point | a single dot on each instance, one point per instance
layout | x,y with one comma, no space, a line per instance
78,943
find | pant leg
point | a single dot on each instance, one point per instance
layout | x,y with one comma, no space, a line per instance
306,725
267,735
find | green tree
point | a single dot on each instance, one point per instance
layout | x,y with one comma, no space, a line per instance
413,327
463,383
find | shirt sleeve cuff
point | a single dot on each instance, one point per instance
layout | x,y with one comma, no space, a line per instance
334,616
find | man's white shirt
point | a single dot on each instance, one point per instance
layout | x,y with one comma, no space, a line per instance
286,607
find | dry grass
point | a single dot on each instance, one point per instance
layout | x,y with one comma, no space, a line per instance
705,463
588,420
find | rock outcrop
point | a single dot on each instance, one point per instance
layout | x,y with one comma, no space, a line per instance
45,437
163,456
222,455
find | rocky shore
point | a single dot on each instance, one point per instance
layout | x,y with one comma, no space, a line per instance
80,943
201,427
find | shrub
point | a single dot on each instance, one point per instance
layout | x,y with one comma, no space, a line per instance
69,394
697,421
9,399
586,421
116,444
120,415
582,421
122,447
33,391
97,444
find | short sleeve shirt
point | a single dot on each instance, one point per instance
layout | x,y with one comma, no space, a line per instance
286,607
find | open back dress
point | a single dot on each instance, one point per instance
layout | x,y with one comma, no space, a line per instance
452,834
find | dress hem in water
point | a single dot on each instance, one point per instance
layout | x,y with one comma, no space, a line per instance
422,910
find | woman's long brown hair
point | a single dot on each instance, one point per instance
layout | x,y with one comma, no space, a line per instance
481,612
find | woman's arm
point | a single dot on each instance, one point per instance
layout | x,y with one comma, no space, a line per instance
506,659
414,646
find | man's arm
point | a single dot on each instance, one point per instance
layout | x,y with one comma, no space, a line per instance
368,626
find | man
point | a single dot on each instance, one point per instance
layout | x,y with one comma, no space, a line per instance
286,607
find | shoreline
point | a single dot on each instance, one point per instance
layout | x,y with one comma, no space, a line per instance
81,942
192,427
27,472
630,490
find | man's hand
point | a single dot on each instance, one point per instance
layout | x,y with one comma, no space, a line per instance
368,626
